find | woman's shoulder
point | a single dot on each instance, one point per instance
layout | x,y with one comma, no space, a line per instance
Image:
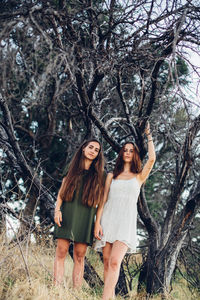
109,176
108,179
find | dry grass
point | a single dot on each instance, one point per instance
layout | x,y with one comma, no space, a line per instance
27,275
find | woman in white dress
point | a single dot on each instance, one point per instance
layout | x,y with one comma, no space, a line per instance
115,227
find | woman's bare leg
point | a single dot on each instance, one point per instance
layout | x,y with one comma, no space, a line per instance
117,254
79,258
61,252
106,257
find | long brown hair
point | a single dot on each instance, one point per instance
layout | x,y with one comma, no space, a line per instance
94,182
136,164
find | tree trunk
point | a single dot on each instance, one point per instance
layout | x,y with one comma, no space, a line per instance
2,222
160,264
28,216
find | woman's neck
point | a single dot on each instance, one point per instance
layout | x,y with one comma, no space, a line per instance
87,164
127,168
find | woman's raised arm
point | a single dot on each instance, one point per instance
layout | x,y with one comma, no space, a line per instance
151,156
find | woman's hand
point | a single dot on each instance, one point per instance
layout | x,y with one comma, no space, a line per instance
147,128
98,232
58,217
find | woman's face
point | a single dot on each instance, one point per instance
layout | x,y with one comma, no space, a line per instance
91,150
128,153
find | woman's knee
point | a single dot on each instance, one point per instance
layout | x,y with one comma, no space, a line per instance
61,250
79,256
106,263
114,263
79,252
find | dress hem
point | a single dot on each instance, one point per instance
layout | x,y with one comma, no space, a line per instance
73,241
100,244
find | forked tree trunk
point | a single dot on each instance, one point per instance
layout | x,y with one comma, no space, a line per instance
160,264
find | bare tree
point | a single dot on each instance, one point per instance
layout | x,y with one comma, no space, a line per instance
76,68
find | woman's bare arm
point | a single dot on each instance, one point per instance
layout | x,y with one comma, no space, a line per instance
151,156
57,211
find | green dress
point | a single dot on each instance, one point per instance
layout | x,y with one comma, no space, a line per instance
77,219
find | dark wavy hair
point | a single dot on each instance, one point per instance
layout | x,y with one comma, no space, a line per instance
136,164
94,184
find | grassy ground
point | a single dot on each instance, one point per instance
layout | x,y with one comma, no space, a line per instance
26,273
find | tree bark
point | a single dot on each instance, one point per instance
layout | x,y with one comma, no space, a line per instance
2,221
161,262
28,215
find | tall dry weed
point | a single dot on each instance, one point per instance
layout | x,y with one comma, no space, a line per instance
29,276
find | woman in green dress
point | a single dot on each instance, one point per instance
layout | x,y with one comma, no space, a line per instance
80,195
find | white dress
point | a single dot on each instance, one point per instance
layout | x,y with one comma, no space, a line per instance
119,218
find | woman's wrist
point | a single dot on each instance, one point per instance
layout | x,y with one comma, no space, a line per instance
149,137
